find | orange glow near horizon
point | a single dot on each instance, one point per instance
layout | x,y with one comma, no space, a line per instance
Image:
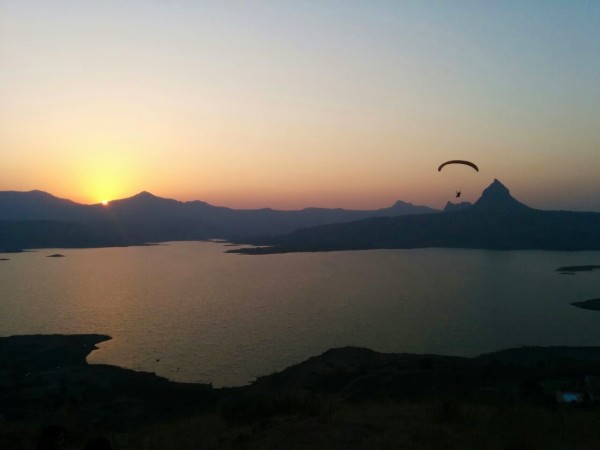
242,108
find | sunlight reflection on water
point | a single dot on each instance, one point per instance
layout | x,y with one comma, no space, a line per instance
224,318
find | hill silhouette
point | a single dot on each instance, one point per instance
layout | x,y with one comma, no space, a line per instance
496,198
37,219
496,221
344,398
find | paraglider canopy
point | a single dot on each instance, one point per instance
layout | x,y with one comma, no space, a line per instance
458,161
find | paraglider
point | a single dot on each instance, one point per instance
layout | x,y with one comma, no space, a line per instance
458,161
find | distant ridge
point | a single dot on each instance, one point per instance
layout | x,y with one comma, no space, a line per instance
37,219
496,221
38,205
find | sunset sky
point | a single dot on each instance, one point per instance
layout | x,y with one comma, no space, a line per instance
289,104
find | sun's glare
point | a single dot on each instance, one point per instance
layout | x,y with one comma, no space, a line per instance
104,202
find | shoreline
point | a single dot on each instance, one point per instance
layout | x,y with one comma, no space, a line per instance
248,248
63,352
45,380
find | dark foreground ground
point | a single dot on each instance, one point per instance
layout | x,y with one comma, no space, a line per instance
50,398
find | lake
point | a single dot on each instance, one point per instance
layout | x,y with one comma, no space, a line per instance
190,312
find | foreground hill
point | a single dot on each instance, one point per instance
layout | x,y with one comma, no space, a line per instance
37,219
346,398
496,221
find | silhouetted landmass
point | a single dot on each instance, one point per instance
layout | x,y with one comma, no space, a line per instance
39,205
496,221
345,398
593,304
587,268
456,206
39,220
28,234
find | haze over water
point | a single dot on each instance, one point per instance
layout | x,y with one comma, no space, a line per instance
190,312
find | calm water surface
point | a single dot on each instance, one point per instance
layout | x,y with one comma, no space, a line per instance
213,317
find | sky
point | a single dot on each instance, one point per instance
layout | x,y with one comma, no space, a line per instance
290,104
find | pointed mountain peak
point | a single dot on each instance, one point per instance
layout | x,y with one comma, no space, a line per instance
496,197
141,198
144,194
146,197
498,187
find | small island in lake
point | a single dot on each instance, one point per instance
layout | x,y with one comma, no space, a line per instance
56,255
572,269
593,304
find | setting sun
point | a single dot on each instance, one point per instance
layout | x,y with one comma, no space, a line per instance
104,202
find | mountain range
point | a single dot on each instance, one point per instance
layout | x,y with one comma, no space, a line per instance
496,221
37,219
